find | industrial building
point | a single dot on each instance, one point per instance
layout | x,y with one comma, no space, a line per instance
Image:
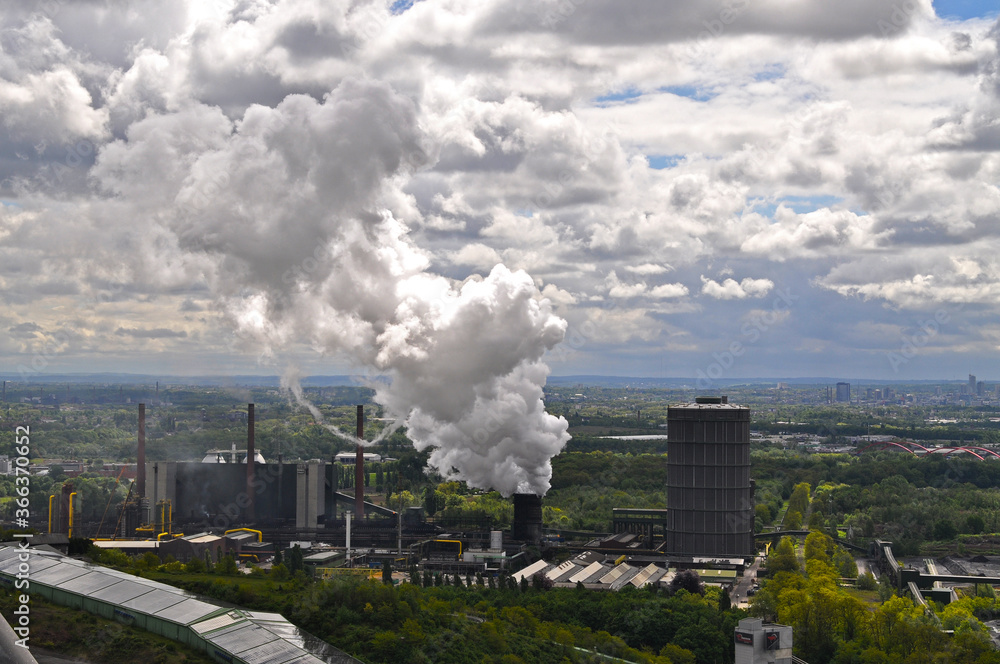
758,642
231,635
710,496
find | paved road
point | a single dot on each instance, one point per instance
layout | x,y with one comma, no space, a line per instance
743,584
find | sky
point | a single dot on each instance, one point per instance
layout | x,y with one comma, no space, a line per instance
697,189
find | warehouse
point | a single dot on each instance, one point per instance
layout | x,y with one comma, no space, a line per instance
234,636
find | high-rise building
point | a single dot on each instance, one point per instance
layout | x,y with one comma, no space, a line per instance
710,502
972,384
843,392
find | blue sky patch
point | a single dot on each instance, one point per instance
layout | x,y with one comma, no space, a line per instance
800,204
625,95
690,91
400,6
965,8
771,73
660,161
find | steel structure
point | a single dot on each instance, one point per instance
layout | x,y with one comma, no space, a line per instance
710,506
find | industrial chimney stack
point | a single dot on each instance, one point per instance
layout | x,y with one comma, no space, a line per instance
140,465
359,468
251,455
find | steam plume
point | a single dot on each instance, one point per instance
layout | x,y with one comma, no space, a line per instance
283,213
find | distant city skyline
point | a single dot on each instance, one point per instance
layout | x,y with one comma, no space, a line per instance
699,190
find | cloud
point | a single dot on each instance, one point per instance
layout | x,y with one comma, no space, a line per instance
730,289
157,333
242,163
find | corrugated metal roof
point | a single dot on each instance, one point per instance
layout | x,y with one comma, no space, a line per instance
586,572
530,570
243,636
275,652
187,612
263,615
218,622
561,570
596,576
624,579
615,573
642,578
120,592
86,584
204,539
36,563
55,575
152,545
154,601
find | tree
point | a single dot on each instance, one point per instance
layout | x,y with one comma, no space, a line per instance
817,546
944,530
195,566
387,572
866,581
430,501
227,566
793,520
295,559
280,573
782,557
725,603
688,580
975,524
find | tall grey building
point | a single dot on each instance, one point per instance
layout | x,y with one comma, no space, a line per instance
843,392
710,502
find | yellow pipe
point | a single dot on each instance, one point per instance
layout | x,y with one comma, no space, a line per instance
260,535
170,513
51,498
161,535
70,534
456,542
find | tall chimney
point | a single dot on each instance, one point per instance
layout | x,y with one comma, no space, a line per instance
251,453
140,465
359,468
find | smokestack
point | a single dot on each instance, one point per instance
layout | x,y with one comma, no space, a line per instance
251,453
359,468
140,465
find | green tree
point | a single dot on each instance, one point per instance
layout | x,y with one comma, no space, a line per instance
782,557
280,573
975,524
793,520
430,501
944,530
386,572
195,566
295,560
227,566
818,546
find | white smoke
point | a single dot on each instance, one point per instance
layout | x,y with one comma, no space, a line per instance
287,207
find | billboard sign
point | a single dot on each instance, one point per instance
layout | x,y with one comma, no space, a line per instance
772,641
744,638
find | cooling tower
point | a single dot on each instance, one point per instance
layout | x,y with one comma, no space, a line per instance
710,502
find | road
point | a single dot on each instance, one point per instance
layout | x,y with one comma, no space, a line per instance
739,592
